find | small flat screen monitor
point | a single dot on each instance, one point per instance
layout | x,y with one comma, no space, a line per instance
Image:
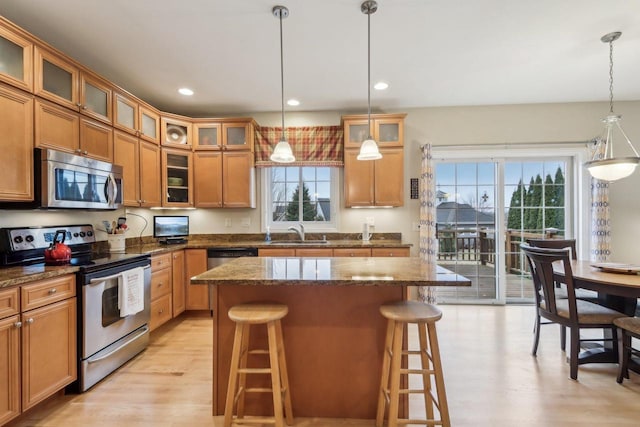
170,228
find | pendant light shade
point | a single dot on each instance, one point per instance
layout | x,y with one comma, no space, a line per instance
282,153
604,165
369,148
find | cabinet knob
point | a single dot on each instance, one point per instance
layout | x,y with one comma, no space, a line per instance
78,104
160,284
161,311
85,152
84,107
52,291
79,151
29,320
351,254
18,324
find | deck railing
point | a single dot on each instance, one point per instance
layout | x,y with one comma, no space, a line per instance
469,244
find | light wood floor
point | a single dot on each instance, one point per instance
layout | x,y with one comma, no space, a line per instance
491,380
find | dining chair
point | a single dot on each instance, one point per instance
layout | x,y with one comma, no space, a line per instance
584,294
628,328
569,312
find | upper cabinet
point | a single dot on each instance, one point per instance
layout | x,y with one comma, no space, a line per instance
136,118
16,144
224,134
16,56
175,131
237,134
370,183
56,79
386,129
95,97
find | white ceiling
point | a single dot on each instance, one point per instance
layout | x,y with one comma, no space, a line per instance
432,53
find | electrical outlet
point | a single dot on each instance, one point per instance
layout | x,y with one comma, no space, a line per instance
370,220
227,222
245,222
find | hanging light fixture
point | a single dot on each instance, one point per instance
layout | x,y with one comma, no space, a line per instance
369,148
604,166
282,153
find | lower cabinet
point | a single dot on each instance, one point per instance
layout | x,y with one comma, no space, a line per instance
161,286
178,283
38,342
195,261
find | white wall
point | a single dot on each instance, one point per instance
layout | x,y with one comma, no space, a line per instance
440,126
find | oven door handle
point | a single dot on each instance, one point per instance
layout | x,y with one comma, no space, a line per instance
114,276
143,331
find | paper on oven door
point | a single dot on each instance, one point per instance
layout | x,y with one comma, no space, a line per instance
131,291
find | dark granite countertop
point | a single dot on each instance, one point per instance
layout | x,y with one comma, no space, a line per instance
348,271
12,276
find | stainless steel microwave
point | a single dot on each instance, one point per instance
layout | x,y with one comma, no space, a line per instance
64,180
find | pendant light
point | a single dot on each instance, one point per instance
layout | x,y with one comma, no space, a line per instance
282,153
604,166
369,148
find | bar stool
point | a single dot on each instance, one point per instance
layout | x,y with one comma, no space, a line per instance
399,314
246,315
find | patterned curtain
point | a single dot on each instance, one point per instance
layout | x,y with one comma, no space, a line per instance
428,241
311,145
600,212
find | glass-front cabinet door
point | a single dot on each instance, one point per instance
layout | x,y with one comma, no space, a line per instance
389,132
95,98
125,114
149,124
177,178
356,131
237,135
16,55
56,79
207,136
175,132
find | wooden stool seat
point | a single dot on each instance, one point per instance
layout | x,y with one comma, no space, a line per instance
246,315
399,314
257,313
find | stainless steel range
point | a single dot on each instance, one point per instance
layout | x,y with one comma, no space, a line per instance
106,337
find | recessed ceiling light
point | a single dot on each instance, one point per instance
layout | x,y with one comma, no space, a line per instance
185,91
293,102
381,86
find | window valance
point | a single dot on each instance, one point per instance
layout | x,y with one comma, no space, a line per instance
311,145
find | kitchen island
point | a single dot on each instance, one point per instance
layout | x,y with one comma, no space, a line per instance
334,332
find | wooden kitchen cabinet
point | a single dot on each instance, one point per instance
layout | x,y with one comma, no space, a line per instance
386,129
374,182
136,118
96,97
56,78
314,252
58,128
352,252
161,287
16,56
16,144
48,338
378,182
195,263
282,252
224,179
9,355
178,283
140,161
175,131
390,252
177,178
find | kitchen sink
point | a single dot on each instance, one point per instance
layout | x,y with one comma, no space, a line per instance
298,242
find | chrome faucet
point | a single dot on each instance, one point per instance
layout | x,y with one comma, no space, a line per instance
299,231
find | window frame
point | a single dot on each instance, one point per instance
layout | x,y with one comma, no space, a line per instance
310,226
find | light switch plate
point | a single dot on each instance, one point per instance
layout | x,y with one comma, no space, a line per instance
370,220
246,222
227,222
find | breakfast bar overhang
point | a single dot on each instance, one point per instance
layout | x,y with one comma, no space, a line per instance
333,334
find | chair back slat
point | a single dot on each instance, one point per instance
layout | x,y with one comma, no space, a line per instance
541,262
555,244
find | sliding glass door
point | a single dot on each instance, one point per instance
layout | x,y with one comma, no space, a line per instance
485,209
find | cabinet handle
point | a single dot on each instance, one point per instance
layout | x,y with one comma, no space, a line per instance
29,320
18,324
78,104
52,291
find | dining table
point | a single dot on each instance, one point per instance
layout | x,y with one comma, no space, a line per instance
618,287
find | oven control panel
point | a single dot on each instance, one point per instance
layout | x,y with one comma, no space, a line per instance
22,239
